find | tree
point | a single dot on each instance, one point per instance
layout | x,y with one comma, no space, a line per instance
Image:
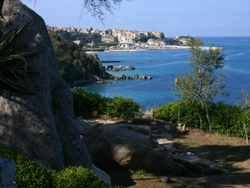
203,83
96,7
244,103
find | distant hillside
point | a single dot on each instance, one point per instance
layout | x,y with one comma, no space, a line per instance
74,64
83,37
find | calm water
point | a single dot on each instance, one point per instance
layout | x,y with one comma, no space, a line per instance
164,65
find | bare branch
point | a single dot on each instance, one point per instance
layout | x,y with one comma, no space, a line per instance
97,7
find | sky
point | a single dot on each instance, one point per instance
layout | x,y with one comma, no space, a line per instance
197,18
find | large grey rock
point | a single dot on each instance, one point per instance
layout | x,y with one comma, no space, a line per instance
41,125
168,127
127,145
163,136
199,165
167,144
83,125
7,172
101,174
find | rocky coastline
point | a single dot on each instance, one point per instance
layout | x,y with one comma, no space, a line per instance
166,47
98,80
124,77
118,68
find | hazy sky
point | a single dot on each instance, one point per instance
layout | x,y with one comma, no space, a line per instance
173,17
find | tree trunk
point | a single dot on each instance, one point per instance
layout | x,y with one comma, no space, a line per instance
208,119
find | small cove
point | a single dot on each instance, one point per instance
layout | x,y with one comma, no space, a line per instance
164,65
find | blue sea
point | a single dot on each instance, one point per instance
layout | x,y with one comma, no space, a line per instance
164,65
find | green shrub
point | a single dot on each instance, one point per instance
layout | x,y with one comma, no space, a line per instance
122,107
225,119
30,175
86,103
75,177
189,112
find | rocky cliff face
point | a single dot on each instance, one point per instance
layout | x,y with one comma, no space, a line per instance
40,125
162,42
108,38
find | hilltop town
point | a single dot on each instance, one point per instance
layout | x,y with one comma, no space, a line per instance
118,39
123,36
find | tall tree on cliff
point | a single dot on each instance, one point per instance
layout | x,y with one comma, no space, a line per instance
203,82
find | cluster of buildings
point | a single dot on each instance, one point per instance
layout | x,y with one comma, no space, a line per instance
125,36
129,40
115,35
73,29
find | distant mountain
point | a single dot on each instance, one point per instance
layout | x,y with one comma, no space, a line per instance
75,64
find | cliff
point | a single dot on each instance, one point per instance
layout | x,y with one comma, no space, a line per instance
183,39
163,41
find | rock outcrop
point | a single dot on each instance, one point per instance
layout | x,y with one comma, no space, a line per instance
42,125
163,42
7,173
118,68
124,77
129,146
198,165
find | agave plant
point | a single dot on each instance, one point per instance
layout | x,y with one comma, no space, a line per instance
10,51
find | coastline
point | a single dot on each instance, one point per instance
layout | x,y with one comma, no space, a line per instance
168,47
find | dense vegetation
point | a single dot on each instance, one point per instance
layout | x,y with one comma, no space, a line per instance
107,44
93,104
83,37
74,64
225,119
29,174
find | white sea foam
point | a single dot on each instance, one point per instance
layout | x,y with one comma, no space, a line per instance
181,54
228,68
170,63
233,55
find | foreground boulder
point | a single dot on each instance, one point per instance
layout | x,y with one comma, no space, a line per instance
129,146
7,173
40,125
198,165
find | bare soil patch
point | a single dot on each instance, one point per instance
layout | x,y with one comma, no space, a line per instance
231,152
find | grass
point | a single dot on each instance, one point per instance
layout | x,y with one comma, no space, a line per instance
138,172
